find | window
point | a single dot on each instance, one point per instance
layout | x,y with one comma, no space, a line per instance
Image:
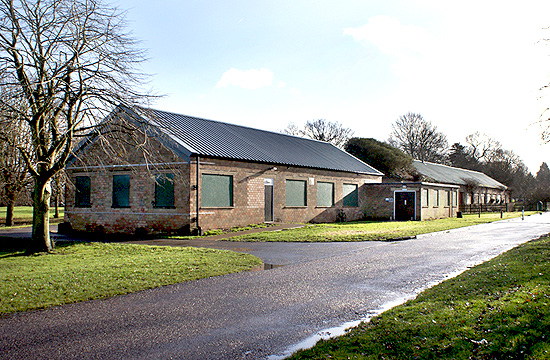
447,198
425,197
350,195
164,191
436,198
216,190
325,194
296,193
82,191
121,191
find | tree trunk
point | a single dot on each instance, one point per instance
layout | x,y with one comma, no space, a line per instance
56,198
9,210
41,241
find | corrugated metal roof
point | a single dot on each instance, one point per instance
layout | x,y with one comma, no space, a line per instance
217,139
452,175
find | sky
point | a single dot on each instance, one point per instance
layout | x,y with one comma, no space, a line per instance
465,66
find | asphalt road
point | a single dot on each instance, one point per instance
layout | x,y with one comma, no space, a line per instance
259,315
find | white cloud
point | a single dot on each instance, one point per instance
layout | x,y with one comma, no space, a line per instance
248,79
295,92
391,37
412,50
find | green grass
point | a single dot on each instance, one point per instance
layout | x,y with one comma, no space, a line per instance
23,214
213,232
497,310
370,230
87,271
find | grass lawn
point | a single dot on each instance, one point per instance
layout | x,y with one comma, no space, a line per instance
87,271
371,230
23,214
496,310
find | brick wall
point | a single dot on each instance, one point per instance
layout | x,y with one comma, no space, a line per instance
442,209
248,197
248,182
375,204
100,216
379,200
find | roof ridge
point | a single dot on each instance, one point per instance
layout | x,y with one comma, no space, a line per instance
452,167
477,175
236,125
206,137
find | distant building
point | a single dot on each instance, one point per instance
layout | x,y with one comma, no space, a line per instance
475,186
442,191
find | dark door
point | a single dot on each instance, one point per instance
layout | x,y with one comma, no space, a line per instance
405,205
268,202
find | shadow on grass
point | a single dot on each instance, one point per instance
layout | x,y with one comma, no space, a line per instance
13,247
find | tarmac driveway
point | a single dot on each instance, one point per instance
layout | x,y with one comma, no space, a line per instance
258,315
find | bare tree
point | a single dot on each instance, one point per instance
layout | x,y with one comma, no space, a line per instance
323,130
418,138
71,61
14,175
292,129
483,148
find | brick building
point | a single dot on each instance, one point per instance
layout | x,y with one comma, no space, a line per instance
442,192
210,174
410,201
475,188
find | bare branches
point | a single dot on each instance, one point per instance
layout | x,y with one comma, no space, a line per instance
323,130
65,64
71,62
483,148
418,138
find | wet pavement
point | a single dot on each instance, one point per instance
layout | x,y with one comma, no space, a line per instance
264,314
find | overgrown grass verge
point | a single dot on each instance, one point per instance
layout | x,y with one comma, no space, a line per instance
497,310
371,230
87,271
22,216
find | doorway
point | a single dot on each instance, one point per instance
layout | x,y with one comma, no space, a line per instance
405,205
268,203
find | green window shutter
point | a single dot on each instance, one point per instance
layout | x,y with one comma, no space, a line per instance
121,191
296,193
350,195
325,194
164,191
82,191
216,190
